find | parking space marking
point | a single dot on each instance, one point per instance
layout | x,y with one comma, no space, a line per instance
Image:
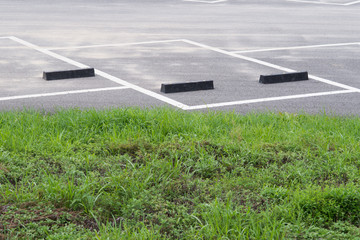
333,83
127,85
259,100
204,1
115,45
49,53
297,47
325,3
352,3
61,93
142,90
102,74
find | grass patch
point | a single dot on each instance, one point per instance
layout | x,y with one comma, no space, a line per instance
166,174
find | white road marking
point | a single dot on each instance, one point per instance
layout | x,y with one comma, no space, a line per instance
103,74
224,104
61,93
204,1
115,45
263,63
340,85
351,3
127,85
4,37
142,90
47,52
297,47
325,3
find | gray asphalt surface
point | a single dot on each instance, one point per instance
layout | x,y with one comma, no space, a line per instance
136,45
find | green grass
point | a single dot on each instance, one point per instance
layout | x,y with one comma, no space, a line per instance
166,174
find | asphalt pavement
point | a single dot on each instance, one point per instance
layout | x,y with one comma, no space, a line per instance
137,45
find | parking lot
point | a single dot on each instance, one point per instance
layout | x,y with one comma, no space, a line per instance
135,46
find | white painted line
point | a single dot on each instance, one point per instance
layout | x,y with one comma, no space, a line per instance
297,47
237,55
61,93
351,3
103,74
47,52
325,3
263,63
4,37
224,104
142,90
340,85
322,3
204,1
115,45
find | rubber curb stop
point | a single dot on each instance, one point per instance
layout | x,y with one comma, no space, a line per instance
286,77
187,86
78,73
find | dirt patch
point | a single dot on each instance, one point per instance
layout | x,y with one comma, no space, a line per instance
12,216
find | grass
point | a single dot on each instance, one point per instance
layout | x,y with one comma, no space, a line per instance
166,174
